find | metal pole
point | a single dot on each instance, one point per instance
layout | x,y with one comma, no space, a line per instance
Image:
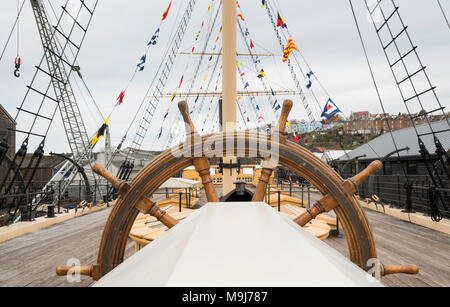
180,194
59,195
303,203
309,196
279,201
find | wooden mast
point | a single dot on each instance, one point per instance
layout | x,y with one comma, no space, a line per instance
229,59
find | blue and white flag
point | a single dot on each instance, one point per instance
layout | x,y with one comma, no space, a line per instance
330,109
246,85
141,64
154,39
310,74
309,84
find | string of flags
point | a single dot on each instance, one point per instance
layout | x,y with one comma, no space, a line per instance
196,40
143,59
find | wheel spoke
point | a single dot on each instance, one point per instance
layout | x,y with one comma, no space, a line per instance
201,164
261,188
202,167
328,203
267,172
146,206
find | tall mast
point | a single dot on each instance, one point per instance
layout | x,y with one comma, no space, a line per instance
229,83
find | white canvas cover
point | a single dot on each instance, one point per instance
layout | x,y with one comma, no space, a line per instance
237,245
180,183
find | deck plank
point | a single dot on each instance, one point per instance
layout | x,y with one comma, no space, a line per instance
399,242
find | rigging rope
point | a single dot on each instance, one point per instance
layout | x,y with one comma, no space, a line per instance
16,23
376,87
443,13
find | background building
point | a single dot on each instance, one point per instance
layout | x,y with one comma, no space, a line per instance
391,183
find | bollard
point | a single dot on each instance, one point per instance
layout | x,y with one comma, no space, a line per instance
50,211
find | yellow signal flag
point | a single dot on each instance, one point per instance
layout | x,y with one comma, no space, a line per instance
173,97
261,74
288,124
101,132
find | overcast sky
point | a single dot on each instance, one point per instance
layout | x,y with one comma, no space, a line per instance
324,31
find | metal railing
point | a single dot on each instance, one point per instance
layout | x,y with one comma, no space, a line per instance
419,195
17,206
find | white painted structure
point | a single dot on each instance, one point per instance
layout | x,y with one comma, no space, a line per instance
237,245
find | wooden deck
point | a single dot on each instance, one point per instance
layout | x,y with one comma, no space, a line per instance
399,242
31,260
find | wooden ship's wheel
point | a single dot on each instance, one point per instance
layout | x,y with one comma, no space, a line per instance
134,197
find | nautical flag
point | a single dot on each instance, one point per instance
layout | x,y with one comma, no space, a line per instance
260,117
242,16
196,99
289,48
257,61
120,98
295,138
310,74
248,119
173,97
181,82
160,133
280,22
277,107
275,103
166,12
237,4
330,109
257,108
239,63
101,132
273,93
263,2
243,74
261,74
246,32
246,85
165,116
308,86
209,8
154,39
288,124
251,44
141,64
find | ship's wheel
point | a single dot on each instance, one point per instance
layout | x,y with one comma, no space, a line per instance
134,197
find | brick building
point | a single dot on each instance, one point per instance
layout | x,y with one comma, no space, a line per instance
376,124
7,122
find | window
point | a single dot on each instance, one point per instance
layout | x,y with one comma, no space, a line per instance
412,168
